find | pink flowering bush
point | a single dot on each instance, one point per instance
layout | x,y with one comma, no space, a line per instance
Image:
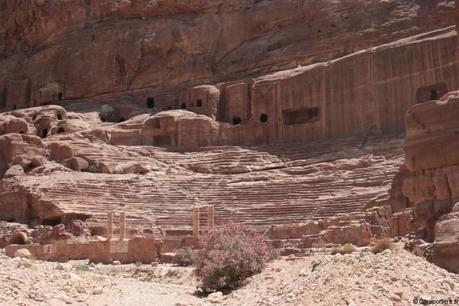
228,255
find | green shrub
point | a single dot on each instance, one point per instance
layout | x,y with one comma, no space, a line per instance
228,255
184,257
82,268
92,169
109,113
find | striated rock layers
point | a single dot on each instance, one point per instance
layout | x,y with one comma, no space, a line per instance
80,169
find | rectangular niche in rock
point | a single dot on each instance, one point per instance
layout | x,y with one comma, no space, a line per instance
431,92
162,140
300,115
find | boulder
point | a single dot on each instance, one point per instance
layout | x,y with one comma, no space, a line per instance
15,170
76,163
23,253
59,151
130,168
215,297
11,124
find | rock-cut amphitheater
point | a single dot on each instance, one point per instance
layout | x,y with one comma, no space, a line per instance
312,122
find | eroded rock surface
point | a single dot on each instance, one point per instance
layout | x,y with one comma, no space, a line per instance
79,49
430,182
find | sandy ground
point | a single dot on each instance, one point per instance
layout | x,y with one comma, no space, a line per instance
362,278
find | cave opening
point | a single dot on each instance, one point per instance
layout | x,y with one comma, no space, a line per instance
183,106
44,133
199,103
52,221
236,120
162,140
431,92
150,102
60,130
263,118
59,96
301,115
18,238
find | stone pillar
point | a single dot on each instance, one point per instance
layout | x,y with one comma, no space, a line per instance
122,225
109,225
457,26
457,14
196,221
210,216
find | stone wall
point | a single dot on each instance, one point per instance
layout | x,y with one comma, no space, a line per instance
142,249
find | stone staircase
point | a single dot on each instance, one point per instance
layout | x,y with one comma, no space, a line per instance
258,186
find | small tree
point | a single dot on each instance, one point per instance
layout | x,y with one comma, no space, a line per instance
228,255
109,113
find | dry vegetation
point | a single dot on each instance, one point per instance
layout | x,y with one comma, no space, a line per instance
343,249
381,245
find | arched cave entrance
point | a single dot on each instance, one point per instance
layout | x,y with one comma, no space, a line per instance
18,238
199,103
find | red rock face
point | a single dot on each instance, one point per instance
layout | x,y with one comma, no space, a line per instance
81,49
